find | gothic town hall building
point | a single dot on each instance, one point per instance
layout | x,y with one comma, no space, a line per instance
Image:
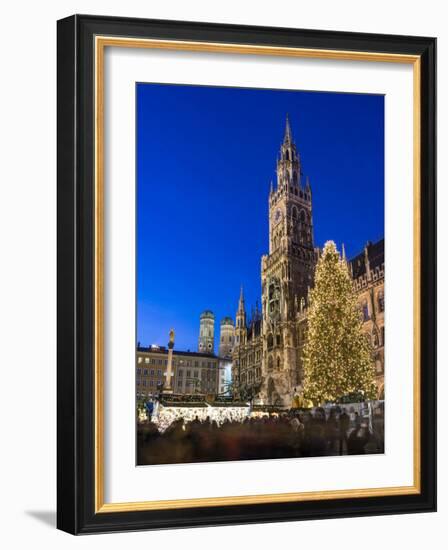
267,348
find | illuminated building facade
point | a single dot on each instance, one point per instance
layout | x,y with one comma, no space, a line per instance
267,365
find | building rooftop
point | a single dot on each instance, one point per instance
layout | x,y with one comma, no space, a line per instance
375,254
227,321
207,314
164,350
254,329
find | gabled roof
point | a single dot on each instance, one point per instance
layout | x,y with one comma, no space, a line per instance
375,254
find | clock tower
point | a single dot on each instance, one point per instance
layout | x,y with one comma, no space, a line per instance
286,273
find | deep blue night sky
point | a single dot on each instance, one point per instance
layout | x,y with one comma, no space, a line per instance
205,158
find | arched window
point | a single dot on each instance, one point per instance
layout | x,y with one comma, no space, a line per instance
381,301
278,339
375,339
287,154
278,363
270,363
270,341
302,216
294,213
365,311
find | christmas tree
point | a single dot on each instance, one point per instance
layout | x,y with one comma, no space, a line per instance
337,358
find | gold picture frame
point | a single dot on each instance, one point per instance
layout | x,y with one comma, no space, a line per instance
99,40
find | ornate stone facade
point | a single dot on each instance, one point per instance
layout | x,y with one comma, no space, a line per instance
268,348
192,372
367,269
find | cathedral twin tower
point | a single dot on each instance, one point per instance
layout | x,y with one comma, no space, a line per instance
206,343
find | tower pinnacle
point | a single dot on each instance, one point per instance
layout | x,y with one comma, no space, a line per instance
241,300
288,133
240,326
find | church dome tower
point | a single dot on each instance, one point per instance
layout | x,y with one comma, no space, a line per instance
226,338
206,342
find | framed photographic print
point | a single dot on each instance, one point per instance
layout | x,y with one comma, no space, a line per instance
246,274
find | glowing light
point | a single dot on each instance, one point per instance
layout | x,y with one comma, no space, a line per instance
337,359
164,416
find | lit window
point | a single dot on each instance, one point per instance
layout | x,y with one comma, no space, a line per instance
146,360
140,359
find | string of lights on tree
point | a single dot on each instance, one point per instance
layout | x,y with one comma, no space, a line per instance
337,359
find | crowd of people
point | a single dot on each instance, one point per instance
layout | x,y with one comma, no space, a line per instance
285,435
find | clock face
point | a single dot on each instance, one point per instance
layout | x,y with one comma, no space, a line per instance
277,215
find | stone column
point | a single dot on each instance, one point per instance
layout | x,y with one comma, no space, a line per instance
168,388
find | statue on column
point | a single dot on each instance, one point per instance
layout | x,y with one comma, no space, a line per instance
171,342
169,368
